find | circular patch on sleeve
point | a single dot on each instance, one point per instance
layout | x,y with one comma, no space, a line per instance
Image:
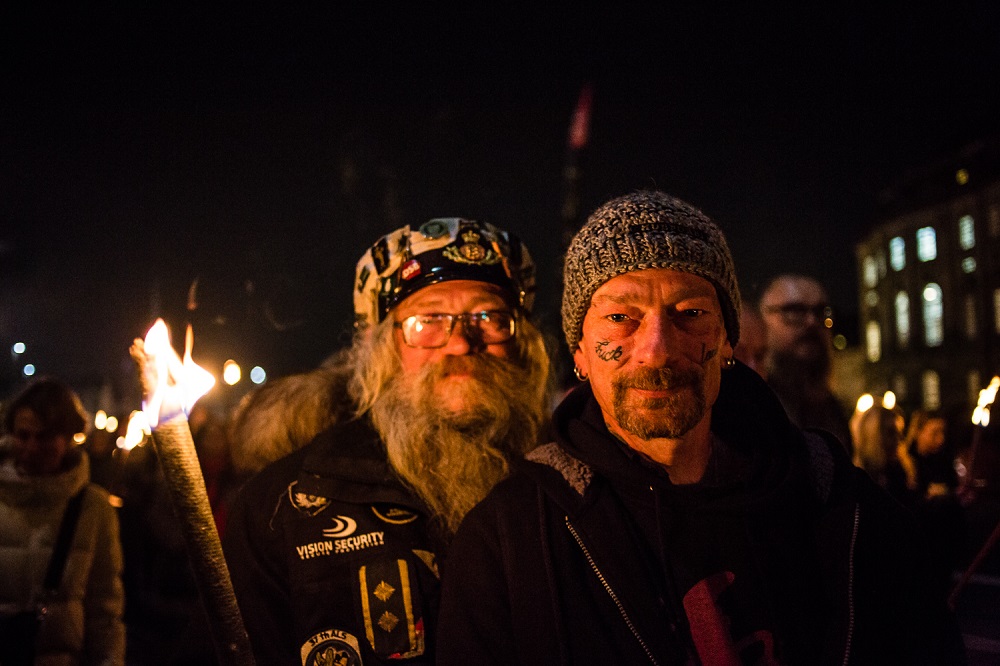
331,647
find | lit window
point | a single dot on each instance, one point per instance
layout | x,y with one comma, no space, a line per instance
961,176
931,384
899,386
873,340
926,244
897,253
870,271
969,265
933,315
966,232
996,310
971,323
902,319
871,298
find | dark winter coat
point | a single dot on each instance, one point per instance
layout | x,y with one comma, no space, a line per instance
785,551
331,557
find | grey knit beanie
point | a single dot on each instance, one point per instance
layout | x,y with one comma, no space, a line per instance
639,231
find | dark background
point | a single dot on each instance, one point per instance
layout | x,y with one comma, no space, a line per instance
261,150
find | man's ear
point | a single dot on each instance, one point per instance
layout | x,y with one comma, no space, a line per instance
581,362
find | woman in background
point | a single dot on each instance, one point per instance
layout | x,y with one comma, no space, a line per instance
65,609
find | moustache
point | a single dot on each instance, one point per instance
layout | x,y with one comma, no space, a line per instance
483,368
658,379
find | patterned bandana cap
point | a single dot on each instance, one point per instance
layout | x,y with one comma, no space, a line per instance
639,231
442,249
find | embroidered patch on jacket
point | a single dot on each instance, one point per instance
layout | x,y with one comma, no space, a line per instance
387,604
394,515
349,544
305,503
331,648
342,526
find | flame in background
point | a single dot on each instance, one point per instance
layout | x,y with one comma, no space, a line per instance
981,415
135,432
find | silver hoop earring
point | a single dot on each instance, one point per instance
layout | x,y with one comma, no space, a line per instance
579,374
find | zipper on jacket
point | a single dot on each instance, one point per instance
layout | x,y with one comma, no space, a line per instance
850,586
611,593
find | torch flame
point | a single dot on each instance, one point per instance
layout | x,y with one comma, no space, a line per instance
175,385
135,432
981,415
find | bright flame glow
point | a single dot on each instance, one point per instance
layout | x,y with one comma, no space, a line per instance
889,400
231,373
100,419
79,438
981,415
179,384
135,432
865,402
112,424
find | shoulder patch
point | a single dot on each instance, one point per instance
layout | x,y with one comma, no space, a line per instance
305,503
331,647
576,472
394,515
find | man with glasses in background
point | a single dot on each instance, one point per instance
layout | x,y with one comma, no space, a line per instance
798,319
334,549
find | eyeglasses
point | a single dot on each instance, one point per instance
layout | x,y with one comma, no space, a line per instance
432,331
796,314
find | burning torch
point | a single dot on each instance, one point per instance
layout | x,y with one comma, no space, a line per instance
170,388
980,419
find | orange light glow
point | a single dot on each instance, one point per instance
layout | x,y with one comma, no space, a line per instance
135,431
981,415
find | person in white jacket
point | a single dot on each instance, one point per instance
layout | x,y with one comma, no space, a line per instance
42,470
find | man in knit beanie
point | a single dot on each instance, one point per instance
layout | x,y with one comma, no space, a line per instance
679,517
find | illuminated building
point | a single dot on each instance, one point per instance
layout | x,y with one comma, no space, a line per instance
929,283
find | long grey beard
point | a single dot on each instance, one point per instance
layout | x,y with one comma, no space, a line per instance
452,460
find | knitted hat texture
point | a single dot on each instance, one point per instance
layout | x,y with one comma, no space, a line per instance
639,231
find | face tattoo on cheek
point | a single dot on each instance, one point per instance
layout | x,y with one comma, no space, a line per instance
707,356
602,351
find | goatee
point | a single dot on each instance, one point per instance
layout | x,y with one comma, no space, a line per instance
668,417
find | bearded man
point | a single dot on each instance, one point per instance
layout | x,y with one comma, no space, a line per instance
679,517
797,317
334,549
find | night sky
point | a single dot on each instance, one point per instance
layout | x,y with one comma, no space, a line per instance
261,151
